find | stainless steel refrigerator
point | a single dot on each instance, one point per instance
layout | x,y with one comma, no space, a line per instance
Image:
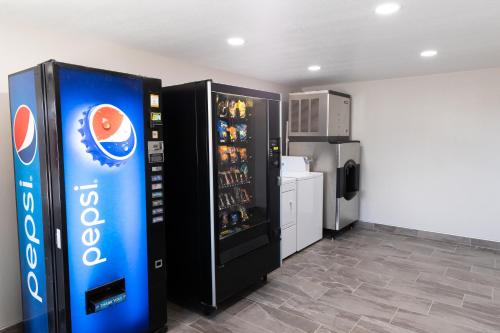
319,129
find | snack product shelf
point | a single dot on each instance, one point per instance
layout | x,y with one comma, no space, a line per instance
235,128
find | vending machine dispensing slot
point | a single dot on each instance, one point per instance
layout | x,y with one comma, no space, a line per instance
105,296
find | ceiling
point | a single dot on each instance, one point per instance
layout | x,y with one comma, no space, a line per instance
284,37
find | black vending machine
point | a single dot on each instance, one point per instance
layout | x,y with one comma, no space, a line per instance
222,180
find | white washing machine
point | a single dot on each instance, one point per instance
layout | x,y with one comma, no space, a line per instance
309,200
288,217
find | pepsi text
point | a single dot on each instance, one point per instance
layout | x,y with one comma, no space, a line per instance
90,218
31,234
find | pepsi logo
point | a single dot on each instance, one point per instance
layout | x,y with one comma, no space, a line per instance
108,134
24,132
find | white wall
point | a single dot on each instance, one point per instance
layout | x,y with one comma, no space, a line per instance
24,47
431,156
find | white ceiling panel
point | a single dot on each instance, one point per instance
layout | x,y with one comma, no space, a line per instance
284,37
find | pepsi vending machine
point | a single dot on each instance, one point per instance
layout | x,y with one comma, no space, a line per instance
88,159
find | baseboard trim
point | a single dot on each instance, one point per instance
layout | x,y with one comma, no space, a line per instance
466,241
18,328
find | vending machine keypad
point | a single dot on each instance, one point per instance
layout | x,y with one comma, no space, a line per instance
157,219
157,211
156,178
156,186
157,203
155,151
274,153
157,194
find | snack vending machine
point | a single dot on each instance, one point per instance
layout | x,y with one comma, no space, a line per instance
223,224
88,160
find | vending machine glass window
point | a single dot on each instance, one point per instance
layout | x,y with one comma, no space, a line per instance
241,140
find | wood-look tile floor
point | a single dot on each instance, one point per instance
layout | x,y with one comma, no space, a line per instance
366,282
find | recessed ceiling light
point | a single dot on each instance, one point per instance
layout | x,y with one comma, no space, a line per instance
428,53
236,41
314,68
387,8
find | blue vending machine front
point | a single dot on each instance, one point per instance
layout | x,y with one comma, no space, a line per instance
88,157
102,126
25,142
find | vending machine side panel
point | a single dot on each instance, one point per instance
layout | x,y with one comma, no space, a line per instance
34,240
187,180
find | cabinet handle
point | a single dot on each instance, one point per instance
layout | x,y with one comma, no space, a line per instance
291,204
